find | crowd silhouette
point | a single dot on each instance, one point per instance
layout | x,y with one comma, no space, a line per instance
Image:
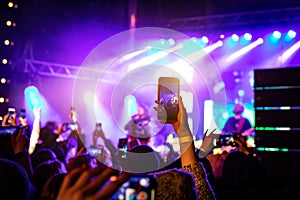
49,164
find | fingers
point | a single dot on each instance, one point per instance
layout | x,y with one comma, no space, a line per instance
71,177
82,150
205,132
213,131
100,180
180,104
85,177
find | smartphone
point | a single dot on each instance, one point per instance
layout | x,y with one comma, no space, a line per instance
137,187
7,131
168,95
94,151
72,127
11,112
123,147
23,113
98,126
226,140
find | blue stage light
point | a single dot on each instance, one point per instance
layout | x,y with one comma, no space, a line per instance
33,97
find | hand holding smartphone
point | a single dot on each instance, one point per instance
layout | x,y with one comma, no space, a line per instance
168,95
11,112
137,187
23,113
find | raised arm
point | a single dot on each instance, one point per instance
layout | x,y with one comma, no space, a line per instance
188,157
35,133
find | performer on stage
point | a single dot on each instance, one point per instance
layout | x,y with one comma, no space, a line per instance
238,123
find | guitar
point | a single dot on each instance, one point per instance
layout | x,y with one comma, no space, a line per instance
248,132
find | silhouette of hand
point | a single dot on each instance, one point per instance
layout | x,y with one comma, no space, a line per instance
93,183
208,142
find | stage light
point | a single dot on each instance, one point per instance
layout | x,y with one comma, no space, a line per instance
237,80
3,80
1,100
131,104
153,57
288,53
171,41
162,41
214,46
218,87
10,4
276,35
4,61
33,97
132,21
244,50
235,73
8,23
235,38
290,36
205,39
222,36
135,53
194,39
6,42
241,93
247,36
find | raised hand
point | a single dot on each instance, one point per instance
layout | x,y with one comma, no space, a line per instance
20,142
91,184
9,120
208,142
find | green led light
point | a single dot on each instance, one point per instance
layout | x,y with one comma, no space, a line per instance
270,128
260,148
259,128
285,150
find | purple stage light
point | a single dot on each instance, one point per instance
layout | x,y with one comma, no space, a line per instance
205,39
235,37
276,34
247,36
291,34
289,53
244,50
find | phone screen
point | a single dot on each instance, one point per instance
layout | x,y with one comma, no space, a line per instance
226,140
72,127
7,131
23,113
98,126
123,147
11,111
168,94
137,187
